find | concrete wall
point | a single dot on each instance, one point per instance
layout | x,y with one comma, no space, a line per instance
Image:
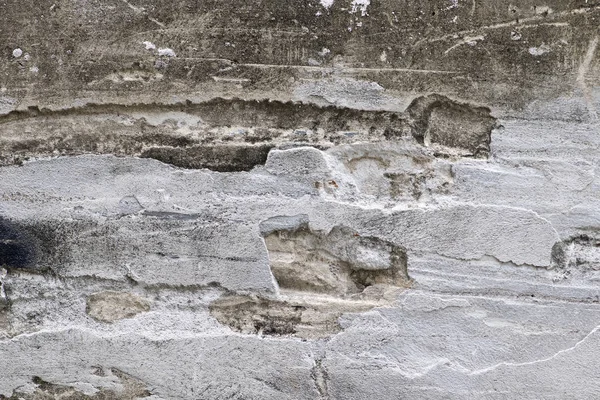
334,199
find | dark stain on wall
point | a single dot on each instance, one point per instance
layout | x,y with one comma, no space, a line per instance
18,247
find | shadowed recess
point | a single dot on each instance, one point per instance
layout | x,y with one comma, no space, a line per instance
216,158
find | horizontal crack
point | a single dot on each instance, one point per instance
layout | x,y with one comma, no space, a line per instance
230,135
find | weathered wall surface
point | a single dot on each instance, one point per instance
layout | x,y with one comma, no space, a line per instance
334,199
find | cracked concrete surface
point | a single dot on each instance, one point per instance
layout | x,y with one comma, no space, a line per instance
334,199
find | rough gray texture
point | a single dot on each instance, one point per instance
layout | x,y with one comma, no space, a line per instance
315,199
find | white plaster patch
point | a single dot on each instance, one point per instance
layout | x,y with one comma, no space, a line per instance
472,40
17,53
138,76
149,45
538,51
346,92
453,5
326,3
7,104
543,10
166,52
3,274
360,5
324,51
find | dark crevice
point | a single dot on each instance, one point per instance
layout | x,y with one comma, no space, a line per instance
225,135
227,158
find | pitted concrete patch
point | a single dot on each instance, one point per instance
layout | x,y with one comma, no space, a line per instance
339,263
320,276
